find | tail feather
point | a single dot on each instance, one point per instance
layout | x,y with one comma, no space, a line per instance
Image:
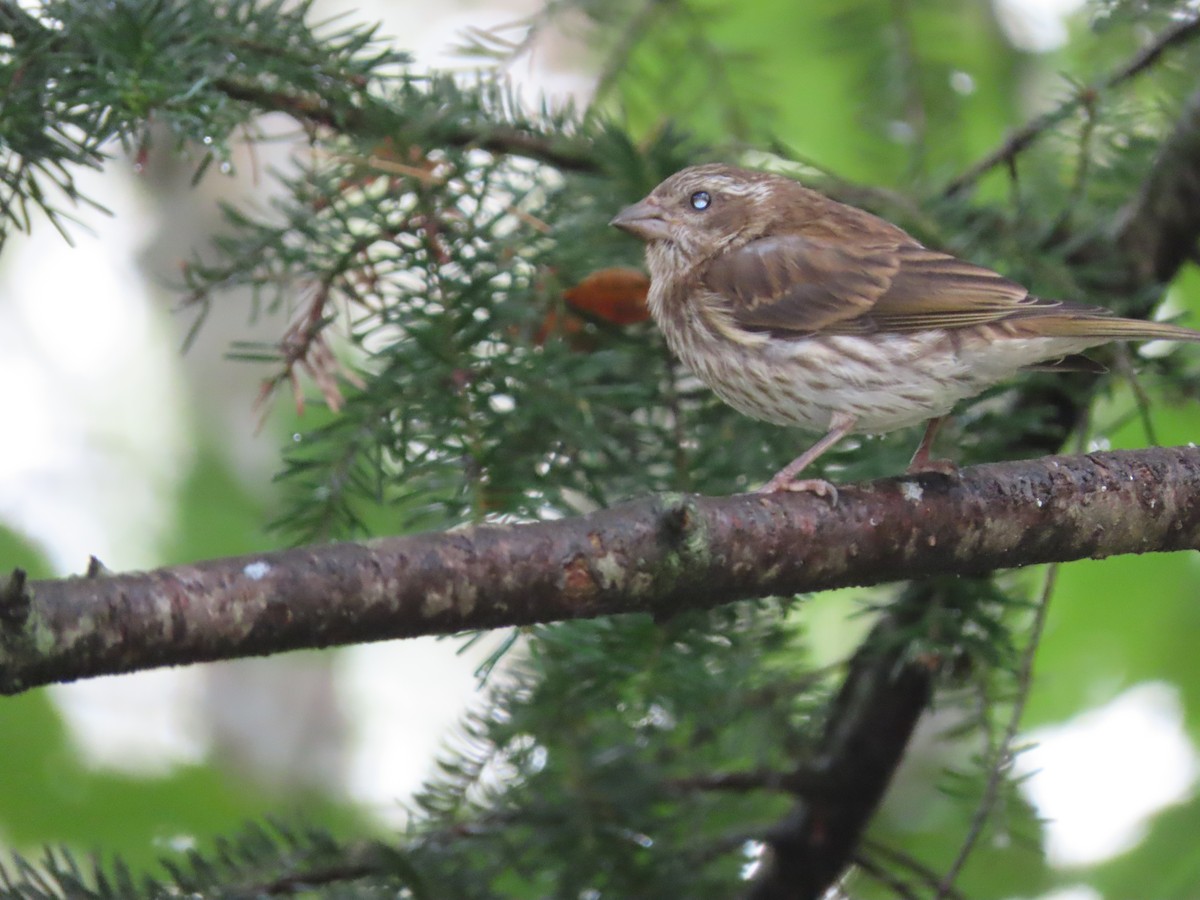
1106,328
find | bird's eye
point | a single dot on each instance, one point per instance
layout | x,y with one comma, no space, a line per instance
701,200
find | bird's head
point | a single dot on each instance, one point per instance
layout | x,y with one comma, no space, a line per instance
703,210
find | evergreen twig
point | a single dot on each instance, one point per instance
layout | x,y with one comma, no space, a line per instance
1178,32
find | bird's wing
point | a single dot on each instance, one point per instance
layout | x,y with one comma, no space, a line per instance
799,285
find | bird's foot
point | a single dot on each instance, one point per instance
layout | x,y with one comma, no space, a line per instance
785,482
947,467
923,460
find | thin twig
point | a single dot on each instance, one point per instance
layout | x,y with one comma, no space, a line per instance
1002,758
1083,166
639,25
1142,401
806,781
724,845
930,877
1177,33
360,861
501,139
716,64
895,884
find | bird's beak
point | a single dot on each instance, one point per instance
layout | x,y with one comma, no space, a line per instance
643,220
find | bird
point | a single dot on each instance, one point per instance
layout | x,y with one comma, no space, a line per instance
799,310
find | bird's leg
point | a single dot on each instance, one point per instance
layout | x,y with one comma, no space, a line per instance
921,461
785,479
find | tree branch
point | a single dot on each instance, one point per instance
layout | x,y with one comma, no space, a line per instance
656,555
865,737
1178,33
1157,232
564,154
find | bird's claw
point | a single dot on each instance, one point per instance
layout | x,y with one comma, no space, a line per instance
947,467
818,486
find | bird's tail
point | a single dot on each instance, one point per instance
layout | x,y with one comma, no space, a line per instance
1113,329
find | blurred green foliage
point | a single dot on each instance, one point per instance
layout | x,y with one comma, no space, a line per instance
442,266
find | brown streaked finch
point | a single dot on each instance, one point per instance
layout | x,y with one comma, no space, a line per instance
803,311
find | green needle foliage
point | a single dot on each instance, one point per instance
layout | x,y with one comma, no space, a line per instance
80,75
420,256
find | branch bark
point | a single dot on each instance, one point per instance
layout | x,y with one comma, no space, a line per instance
864,739
656,555
871,721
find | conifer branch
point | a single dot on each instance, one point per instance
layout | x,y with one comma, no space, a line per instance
864,739
1177,33
500,139
660,555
